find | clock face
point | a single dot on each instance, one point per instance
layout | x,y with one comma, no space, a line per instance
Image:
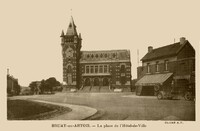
69,52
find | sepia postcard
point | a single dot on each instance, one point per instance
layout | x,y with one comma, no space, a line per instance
99,65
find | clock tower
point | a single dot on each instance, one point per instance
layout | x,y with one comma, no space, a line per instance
71,46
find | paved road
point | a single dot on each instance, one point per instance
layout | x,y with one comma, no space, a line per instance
119,106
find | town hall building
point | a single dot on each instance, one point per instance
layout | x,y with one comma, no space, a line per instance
97,71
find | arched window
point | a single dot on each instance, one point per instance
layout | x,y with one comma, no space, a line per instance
87,82
69,69
123,69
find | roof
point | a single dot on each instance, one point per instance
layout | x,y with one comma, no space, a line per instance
71,30
62,34
105,56
165,51
153,79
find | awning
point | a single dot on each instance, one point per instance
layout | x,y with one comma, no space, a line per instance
149,80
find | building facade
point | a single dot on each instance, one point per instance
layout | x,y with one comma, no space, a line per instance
13,88
94,70
166,66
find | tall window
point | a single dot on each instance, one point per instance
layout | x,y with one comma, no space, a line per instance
101,69
87,69
91,69
69,69
157,67
148,68
105,69
96,69
123,69
166,65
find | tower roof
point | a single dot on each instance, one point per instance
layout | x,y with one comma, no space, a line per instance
71,30
62,34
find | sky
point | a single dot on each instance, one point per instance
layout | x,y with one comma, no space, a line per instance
30,44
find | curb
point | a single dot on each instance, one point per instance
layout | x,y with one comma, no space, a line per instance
78,112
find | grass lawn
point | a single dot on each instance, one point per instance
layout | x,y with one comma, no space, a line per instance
29,110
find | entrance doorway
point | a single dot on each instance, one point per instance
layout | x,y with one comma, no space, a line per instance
96,82
105,82
69,79
87,82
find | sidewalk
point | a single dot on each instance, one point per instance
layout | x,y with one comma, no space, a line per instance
77,113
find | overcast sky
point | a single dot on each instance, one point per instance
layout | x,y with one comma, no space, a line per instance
30,30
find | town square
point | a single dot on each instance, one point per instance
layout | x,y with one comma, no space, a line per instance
93,64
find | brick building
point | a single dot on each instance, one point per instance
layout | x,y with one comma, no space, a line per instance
167,65
13,88
93,70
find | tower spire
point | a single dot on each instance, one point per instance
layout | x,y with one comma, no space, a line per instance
71,28
71,11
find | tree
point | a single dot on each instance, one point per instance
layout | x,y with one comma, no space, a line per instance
42,86
50,83
33,86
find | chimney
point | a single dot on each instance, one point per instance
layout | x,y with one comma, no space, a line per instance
7,71
182,40
150,48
